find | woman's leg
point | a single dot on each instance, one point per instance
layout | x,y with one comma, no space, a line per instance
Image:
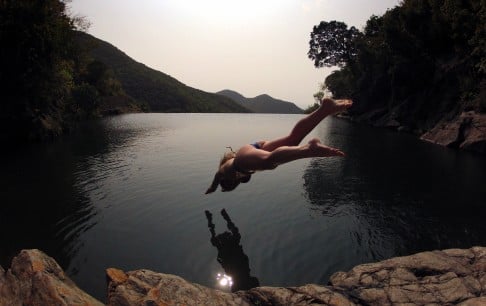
287,154
305,125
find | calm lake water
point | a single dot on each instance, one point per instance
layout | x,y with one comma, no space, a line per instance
128,192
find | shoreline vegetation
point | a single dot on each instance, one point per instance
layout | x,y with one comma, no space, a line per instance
418,68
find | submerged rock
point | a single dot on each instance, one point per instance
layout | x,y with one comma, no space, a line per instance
446,277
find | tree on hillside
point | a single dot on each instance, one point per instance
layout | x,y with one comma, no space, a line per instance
40,68
414,64
36,66
332,44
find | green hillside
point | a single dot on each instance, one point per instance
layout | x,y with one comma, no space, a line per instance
263,103
52,76
158,91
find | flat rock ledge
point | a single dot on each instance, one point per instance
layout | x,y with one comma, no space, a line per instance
448,277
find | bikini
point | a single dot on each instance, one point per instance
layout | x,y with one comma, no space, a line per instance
256,145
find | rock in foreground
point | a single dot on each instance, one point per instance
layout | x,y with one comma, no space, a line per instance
36,279
430,278
440,277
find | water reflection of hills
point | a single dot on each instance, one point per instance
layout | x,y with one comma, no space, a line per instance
398,195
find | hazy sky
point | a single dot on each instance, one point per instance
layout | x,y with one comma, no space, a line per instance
250,46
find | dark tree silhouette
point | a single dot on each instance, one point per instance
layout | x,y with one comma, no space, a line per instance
332,44
36,66
419,63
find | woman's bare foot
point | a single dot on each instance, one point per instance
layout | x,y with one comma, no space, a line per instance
317,148
330,106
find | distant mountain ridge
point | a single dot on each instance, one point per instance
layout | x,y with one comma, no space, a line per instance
262,103
158,91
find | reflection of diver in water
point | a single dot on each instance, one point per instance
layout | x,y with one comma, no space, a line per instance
230,254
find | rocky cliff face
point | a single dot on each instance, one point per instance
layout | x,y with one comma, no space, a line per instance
468,132
430,278
36,279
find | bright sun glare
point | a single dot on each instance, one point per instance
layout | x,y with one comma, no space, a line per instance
225,281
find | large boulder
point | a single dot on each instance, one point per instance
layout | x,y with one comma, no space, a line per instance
440,277
36,279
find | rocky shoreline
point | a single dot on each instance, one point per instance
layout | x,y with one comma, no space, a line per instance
448,277
466,131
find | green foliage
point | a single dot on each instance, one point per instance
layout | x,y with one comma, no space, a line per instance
417,62
338,83
86,97
46,80
36,74
332,44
